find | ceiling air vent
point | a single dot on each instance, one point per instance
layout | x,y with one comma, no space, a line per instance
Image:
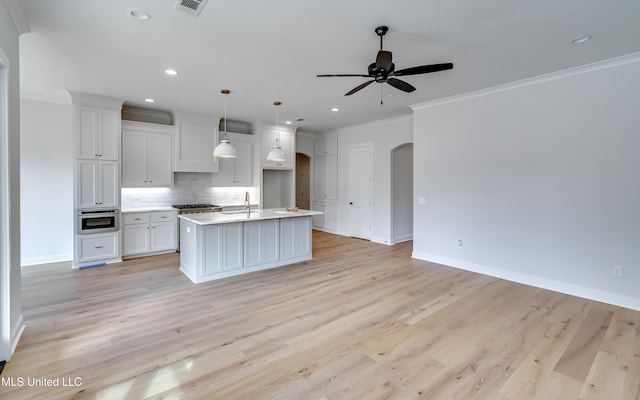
193,7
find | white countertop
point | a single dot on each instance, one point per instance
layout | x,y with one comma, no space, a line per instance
241,216
147,209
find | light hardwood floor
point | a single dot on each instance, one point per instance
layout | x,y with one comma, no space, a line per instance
360,321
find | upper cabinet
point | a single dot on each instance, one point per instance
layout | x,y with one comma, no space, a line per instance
96,126
237,171
287,142
326,168
196,137
99,133
146,155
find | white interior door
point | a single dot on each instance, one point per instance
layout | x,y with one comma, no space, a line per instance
360,191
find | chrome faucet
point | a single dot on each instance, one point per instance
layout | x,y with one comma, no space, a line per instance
247,204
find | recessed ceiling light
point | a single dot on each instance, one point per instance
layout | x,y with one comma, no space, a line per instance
139,15
580,39
171,72
149,100
288,122
335,109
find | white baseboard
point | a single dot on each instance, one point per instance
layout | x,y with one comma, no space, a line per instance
45,259
16,334
531,280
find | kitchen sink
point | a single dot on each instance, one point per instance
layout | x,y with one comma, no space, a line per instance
239,212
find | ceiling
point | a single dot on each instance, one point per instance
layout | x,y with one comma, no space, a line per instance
265,51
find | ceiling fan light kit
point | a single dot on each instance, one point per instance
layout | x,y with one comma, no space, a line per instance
225,149
383,70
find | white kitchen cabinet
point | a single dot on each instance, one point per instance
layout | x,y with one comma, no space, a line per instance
288,144
222,247
295,237
152,232
97,132
97,184
328,221
236,171
97,247
264,242
326,169
196,137
146,156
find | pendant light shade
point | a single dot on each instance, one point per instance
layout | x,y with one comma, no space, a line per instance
276,153
225,149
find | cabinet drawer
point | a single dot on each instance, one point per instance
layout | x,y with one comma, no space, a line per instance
96,247
136,218
163,216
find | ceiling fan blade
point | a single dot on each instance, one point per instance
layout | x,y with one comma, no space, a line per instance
423,69
384,60
332,75
360,87
402,85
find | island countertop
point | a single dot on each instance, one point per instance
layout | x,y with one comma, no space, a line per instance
241,216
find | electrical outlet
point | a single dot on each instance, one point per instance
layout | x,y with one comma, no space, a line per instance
616,271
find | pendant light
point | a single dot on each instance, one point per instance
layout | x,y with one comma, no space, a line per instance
225,149
276,153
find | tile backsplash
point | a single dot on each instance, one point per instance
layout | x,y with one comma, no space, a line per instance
188,188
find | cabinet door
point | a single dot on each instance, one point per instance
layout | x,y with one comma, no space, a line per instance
87,183
160,172
134,159
97,247
320,180
331,177
163,236
318,220
108,134
243,165
295,237
87,132
330,220
136,239
109,184
262,242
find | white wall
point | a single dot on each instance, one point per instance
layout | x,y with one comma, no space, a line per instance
540,180
384,136
11,321
46,175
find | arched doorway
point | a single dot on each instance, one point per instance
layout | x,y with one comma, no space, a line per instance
303,181
402,193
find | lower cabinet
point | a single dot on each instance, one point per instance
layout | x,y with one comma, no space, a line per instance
149,233
328,220
97,247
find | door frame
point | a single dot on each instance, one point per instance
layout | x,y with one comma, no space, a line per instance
5,229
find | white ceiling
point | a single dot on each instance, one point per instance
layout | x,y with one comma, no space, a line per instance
272,50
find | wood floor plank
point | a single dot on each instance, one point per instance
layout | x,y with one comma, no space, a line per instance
359,321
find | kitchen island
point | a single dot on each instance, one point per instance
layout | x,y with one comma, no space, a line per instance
222,244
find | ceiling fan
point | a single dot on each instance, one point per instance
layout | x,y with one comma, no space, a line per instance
383,70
